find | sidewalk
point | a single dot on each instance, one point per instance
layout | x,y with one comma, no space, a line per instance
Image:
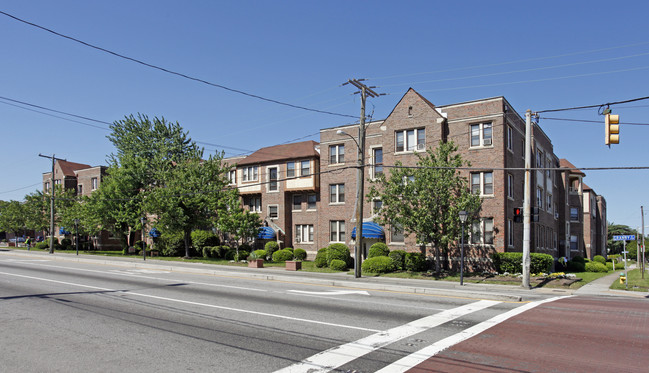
602,284
509,293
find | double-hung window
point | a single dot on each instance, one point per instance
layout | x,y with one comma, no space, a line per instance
510,139
510,186
574,214
250,173
410,140
93,183
337,230
396,234
481,134
377,159
311,200
273,211
482,183
336,193
232,177
290,169
297,202
510,233
254,204
482,232
304,233
272,179
336,154
305,168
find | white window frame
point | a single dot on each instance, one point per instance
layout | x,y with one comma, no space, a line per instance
540,203
94,183
250,173
549,202
480,129
510,139
397,235
376,165
375,210
337,231
482,231
510,233
290,171
336,154
337,194
232,177
574,239
302,168
482,177
411,143
270,211
254,204
304,233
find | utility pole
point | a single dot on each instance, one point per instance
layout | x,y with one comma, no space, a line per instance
526,201
360,182
642,216
54,159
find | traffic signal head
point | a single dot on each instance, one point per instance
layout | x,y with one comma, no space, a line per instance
518,214
612,129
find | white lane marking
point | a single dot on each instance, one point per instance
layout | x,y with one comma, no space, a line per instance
335,292
426,353
26,260
343,354
126,292
136,271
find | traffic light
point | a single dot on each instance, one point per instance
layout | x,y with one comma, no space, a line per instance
535,214
518,214
611,129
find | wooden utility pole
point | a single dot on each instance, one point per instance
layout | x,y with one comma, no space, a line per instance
54,159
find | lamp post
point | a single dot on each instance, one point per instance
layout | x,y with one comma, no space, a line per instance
359,198
143,221
463,216
76,231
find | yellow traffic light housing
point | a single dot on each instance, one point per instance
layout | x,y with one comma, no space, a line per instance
612,129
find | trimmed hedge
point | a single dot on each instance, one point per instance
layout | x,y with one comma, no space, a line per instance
282,255
599,259
42,245
513,262
242,255
300,254
378,249
574,266
399,258
202,238
321,258
378,264
609,265
596,267
271,247
415,262
338,265
339,251
261,254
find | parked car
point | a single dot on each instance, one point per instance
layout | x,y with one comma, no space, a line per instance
18,239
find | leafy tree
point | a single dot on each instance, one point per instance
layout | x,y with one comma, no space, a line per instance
425,200
36,208
615,230
12,217
240,223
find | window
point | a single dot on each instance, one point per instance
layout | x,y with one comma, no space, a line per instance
556,211
337,230
574,243
79,189
304,233
254,204
337,193
539,158
539,197
250,173
47,186
273,211
410,140
510,233
482,232
574,214
481,134
396,234
482,183
311,200
336,154
510,139
272,179
377,156
58,181
510,186
290,169
548,198
305,168
523,149
376,206
232,176
297,202
93,183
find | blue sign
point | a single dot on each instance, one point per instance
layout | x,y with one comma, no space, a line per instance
629,237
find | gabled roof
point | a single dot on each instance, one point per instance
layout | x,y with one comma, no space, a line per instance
565,164
68,168
430,104
304,149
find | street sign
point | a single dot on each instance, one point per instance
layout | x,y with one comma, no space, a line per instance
628,237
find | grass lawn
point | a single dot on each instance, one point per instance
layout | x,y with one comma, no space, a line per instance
634,281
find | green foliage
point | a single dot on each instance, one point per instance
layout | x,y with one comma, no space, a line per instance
576,266
300,254
66,243
202,238
230,253
540,263
399,258
289,249
321,258
599,259
42,245
378,249
415,262
282,255
378,264
271,247
261,254
595,267
579,259
513,262
610,265
338,265
171,243
241,255
339,251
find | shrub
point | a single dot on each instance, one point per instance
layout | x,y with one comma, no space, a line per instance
610,265
201,239
241,255
339,251
300,254
321,258
338,265
42,245
539,263
378,264
513,262
579,259
398,257
282,255
378,249
596,267
261,254
66,243
230,253
600,259
289,249
172,244
415,262
574,266
271,247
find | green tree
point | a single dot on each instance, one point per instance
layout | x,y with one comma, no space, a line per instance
12,217
425,200
36,208
614,230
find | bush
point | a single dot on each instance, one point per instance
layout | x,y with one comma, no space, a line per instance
398,257
378,264
596,267
574,266
282,255
271,247
321,258
42,245
201,239
378,249
300,254
242,255
415,262
579,259
289,249
610,265
66,243
230,253
338,265
513,262
172,244
599,259
540,263
261,254
339,251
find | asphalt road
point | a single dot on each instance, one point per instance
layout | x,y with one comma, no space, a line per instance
80,317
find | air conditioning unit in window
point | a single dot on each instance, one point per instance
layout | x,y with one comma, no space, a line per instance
421,146
487,142
556,215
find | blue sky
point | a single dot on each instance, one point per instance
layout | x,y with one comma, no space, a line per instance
539,55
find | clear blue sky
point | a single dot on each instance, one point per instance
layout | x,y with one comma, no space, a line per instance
539,55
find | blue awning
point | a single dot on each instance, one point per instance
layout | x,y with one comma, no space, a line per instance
370,230
266,233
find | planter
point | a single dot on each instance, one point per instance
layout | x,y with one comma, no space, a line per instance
292,265
257,263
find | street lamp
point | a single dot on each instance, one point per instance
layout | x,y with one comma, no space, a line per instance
76,230
463,216
143,221
359,197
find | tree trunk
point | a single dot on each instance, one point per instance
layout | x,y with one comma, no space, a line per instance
187,239
437,258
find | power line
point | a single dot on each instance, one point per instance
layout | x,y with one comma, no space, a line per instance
594,106
592,121
174,72
15,190
60,112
